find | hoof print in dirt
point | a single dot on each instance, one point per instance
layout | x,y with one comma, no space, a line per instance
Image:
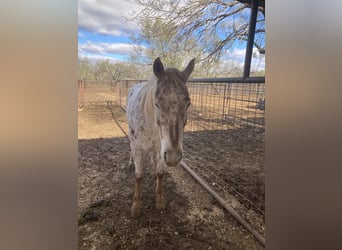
135,213
89,216
114,246
110,229
97,203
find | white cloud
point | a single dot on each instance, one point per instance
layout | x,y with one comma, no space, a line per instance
105,49
240,53
106,16
238,57
95,58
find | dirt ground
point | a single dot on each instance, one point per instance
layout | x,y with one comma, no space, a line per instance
191,220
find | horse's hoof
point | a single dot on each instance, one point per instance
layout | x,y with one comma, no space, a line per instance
135,211
160,203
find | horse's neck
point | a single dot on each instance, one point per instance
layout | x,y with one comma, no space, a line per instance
148,100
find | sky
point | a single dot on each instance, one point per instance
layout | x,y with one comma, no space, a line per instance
104,32
103,29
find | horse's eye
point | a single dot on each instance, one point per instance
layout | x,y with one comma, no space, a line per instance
157,105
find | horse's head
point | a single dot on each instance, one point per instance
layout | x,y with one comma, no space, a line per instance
171,103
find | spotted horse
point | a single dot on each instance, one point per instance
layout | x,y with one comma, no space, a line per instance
157,114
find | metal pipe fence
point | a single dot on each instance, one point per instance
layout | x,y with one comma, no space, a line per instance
223,140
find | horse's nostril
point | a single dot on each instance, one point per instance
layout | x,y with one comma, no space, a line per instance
165,156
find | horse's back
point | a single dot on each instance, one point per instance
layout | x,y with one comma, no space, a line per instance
143,132
134,91
134,95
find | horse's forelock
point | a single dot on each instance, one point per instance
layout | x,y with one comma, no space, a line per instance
172,79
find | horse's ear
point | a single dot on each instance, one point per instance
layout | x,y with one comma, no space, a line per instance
158,68
188,70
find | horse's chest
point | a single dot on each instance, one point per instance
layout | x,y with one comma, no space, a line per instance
145,136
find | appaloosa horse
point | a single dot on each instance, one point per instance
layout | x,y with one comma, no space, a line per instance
156,114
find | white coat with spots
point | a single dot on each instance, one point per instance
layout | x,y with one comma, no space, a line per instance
156,114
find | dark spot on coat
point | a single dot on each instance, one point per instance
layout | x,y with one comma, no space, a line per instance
132,132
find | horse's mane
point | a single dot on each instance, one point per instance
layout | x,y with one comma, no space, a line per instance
148,91
147,96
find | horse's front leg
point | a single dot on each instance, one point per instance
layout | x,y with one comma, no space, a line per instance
138,163
160,199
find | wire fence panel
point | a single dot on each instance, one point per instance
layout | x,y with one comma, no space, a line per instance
122,91
226,105
92,91
223,140
224,143
101,92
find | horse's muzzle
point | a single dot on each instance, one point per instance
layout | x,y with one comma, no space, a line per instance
173,157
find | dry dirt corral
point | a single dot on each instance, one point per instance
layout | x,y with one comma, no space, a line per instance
192,219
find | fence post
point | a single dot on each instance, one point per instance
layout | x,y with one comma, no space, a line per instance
118,95
81,88
224,103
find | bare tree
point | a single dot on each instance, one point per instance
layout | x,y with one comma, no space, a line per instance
161,43
84,69
212,25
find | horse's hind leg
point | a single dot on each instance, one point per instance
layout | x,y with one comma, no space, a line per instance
138,156
136,207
